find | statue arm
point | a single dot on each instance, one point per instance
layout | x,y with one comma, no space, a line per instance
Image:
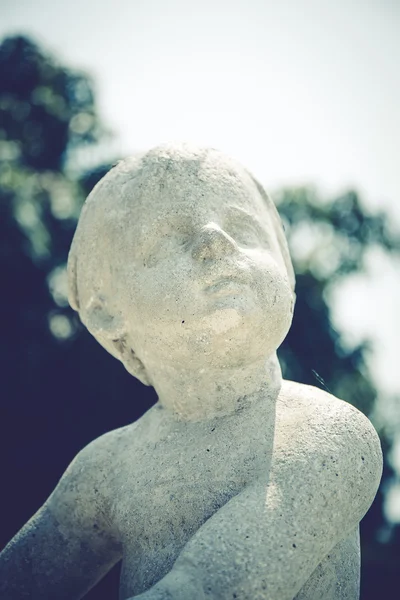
68,545
267,541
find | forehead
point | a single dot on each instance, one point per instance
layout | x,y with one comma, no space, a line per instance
183,191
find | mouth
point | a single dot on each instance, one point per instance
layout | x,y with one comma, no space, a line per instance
227,285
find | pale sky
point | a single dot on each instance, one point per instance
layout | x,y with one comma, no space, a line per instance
300,91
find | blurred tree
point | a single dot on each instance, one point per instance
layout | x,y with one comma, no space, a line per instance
45,109
59,388
48,363
330,240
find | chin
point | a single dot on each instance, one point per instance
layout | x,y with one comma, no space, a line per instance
228,337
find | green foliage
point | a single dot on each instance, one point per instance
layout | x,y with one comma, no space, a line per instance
46,112
329,240
45,109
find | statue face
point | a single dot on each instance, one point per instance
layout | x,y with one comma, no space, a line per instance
201,278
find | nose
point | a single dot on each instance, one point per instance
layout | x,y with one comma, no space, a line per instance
212,242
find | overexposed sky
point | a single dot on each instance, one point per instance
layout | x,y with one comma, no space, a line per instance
300,91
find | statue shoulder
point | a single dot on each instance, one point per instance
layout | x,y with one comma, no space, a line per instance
305,405
331,439
101,451
88,478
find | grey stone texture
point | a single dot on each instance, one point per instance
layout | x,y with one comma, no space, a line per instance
236,484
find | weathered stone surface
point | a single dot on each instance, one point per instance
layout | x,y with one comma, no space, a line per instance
236,484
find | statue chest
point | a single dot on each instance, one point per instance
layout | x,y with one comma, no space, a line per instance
169,490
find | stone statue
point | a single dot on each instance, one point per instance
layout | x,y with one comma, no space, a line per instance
236,484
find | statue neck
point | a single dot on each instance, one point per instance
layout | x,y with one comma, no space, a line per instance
205,394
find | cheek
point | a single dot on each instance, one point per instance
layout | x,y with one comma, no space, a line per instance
163,292
275,299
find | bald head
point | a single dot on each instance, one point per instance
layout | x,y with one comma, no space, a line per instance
182,171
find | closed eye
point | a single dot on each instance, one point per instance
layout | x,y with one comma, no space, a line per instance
247,232
165,245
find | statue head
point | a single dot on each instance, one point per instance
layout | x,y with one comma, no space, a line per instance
180,257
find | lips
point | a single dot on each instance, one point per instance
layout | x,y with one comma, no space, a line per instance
224,275
225,284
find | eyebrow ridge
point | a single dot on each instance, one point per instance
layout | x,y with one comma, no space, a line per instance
245,214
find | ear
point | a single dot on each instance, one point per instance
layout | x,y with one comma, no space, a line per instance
109,330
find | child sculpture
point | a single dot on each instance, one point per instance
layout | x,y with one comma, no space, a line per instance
236,484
